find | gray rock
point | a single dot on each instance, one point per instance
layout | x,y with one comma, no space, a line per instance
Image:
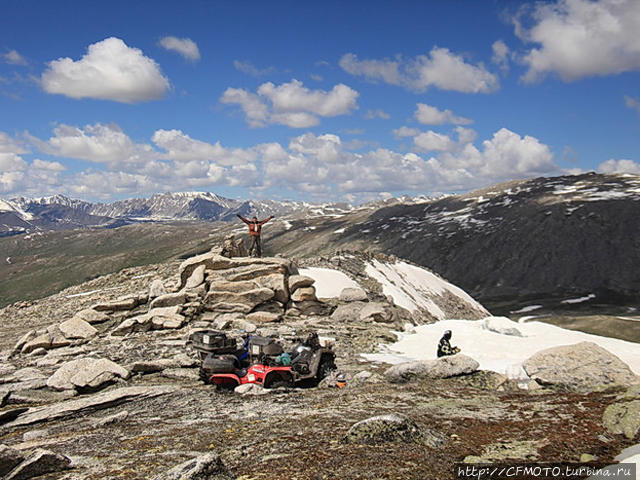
211,261
89,403
30,335
264,317
367,377
181,374
110,419
225,307
153,366
76,328
623,418
347,313
41,341
304,294
156,289
390,428
34,435
206,467
86,374
376,312
583,367
251,389
244,325
28,374
120,305
278,283
443,367
299,281
9,459
253,271
353,294
40,462
197,277
169,300
250,298
92,316
221,285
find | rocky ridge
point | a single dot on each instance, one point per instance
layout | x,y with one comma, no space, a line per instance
112,387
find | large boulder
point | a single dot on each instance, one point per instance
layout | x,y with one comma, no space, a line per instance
443,367
583,367
39,463
349,312
196,278
91,316
161,318
253,271
376,312
278,283
353,294
169,300
390,428
40,341
623,418
86,374
304,294
120,305
76,328
206,467
299,281
250,298
221,285
211,261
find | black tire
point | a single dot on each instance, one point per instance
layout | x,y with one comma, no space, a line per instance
276,380
327,365
204,376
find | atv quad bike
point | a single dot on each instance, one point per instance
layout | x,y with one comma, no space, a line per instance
261,360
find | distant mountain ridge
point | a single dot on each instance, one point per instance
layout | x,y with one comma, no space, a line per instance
58,212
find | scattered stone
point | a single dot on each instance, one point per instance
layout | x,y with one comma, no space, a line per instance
376,312
76,328
9,459
38,352
390,428
153,366
299,281
40,462
623,418
169,300
501,451
587,457
367,377
264,317
108,420
485,380
117,305
89,403
244,325
92,316
41,341
156,289
353,294
197,277
347,313
86,374
205,467
583,367
250,298
443,367
30,335
303,294
181,374
251,389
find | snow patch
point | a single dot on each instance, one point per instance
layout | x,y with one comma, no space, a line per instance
411,286
329,283
500,353
580,300
340,230
528,308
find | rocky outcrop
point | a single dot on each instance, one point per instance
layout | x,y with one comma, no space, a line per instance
623,418
391,428
39,463
353,294
206,467
443,367
76,328
583,367
86,374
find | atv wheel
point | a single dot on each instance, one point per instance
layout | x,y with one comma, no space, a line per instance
203,375
327,365
275,381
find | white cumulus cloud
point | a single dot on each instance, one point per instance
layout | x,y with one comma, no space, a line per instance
371,114
186,47
291,103
440,69
501,54
432,141
430,115
619,166
110,70
582,38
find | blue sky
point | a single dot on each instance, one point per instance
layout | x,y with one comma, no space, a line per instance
313,100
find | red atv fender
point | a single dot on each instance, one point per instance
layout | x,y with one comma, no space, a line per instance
260,374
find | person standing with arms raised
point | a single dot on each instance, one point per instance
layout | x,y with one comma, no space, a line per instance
255,228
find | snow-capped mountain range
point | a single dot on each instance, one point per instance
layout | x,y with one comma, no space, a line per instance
28,215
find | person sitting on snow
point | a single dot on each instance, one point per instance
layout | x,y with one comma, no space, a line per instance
444,346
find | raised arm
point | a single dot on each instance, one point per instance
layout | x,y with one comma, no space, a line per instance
266,220
243,219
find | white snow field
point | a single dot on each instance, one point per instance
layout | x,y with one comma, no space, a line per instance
329,282
411,287
500,352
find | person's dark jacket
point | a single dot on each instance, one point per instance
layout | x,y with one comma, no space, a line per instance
445,348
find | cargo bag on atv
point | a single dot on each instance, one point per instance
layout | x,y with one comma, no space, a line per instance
212,341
